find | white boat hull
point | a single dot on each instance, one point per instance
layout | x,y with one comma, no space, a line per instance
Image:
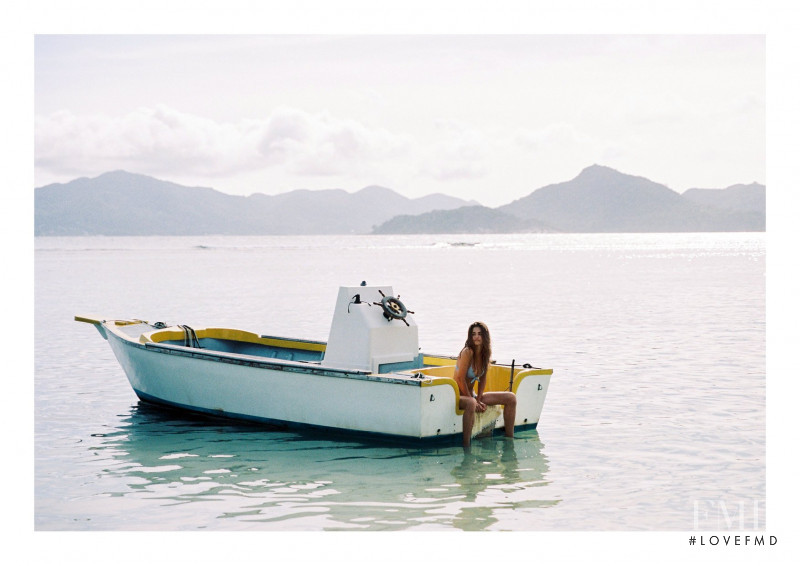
236,374
256,392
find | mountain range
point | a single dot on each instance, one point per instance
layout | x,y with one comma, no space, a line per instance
599,199
122,204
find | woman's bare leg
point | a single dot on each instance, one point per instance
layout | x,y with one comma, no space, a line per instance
468,404
509,402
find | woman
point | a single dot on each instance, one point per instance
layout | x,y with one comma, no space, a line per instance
472,366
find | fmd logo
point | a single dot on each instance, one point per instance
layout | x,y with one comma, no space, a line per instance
717,514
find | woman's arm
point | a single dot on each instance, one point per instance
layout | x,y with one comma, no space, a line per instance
464,360
481,387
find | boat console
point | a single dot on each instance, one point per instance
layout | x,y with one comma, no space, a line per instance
373,331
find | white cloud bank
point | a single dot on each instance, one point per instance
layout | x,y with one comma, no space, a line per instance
291,144
292,148
162,140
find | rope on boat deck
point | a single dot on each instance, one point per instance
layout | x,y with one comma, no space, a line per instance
422,377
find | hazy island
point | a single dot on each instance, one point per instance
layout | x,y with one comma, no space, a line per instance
599,199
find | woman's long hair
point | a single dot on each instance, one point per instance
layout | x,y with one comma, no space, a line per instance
485,354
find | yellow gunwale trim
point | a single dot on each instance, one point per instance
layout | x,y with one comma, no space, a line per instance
428,360
233,334
434,379
98,320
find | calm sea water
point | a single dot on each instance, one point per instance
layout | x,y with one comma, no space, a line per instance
655,414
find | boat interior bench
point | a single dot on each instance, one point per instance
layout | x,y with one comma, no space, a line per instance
239,342
235,341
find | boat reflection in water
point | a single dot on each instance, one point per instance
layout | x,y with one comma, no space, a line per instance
200,473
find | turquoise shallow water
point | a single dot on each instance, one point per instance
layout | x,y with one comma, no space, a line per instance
655,415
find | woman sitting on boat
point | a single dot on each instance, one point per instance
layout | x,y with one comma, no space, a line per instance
472,366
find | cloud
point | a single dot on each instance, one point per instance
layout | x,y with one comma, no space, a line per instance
151,140
322,145
460,153
160,140
164,141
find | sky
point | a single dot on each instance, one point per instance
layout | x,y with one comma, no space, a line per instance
482,116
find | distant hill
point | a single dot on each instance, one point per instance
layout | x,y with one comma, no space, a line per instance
121,203
467,219
601,199
743,198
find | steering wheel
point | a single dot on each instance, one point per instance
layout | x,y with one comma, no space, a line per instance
393,308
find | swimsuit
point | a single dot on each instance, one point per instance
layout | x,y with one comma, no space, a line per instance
471,377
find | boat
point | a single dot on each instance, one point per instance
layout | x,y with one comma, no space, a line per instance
369,378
